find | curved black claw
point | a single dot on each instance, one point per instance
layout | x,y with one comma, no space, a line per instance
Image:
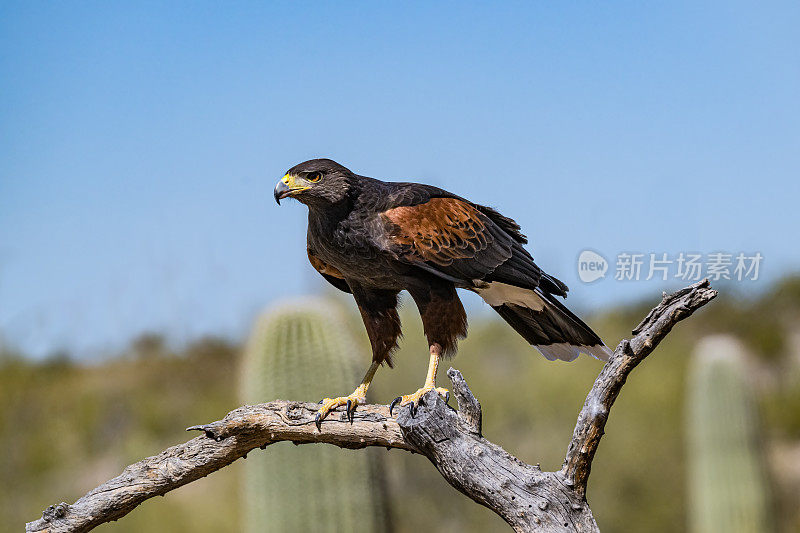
447,397
394,402
413,407
318,422
320,402
350,409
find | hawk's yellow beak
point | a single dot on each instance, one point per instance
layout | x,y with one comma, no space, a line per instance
286,187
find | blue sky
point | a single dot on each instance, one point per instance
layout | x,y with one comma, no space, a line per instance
140,142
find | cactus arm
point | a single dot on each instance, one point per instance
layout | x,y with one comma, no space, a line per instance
728,480
302,348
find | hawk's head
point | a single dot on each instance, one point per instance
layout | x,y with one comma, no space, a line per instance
316,182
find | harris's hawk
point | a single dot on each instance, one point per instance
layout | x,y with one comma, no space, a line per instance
374,239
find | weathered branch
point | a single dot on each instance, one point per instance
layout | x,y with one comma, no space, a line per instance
527,498
629,353
523,495
223,442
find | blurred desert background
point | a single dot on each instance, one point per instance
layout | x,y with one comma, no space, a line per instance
70,425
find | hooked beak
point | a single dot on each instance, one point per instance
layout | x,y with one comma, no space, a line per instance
286,187
281,191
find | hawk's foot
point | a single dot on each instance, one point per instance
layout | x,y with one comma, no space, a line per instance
416,398
350,402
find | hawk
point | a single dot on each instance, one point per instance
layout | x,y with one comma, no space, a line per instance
373,239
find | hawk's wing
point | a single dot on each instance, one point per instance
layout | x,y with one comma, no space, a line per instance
328,272
478,248
461,242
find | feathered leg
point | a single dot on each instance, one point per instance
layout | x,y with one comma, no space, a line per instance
444,322
379,311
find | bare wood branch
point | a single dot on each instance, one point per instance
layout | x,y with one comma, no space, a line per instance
523,495
223,442
629,353
526,497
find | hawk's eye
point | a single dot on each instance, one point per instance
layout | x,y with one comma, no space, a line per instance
314,177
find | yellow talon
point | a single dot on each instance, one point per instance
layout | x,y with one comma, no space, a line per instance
358,397
430,384
415,398
350,402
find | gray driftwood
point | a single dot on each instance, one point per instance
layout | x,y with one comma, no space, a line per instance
525,496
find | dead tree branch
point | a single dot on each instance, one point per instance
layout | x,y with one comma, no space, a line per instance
629,353
222,442
526,497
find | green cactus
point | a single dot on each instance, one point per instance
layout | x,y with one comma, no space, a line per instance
728,488
305,351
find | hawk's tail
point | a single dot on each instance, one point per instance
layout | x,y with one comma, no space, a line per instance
544,322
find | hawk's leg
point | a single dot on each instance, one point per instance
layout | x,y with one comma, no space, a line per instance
359,396
430,384
379,310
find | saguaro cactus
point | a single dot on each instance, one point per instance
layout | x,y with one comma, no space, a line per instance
304,350
728,489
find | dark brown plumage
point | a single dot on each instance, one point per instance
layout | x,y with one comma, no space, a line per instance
374,239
